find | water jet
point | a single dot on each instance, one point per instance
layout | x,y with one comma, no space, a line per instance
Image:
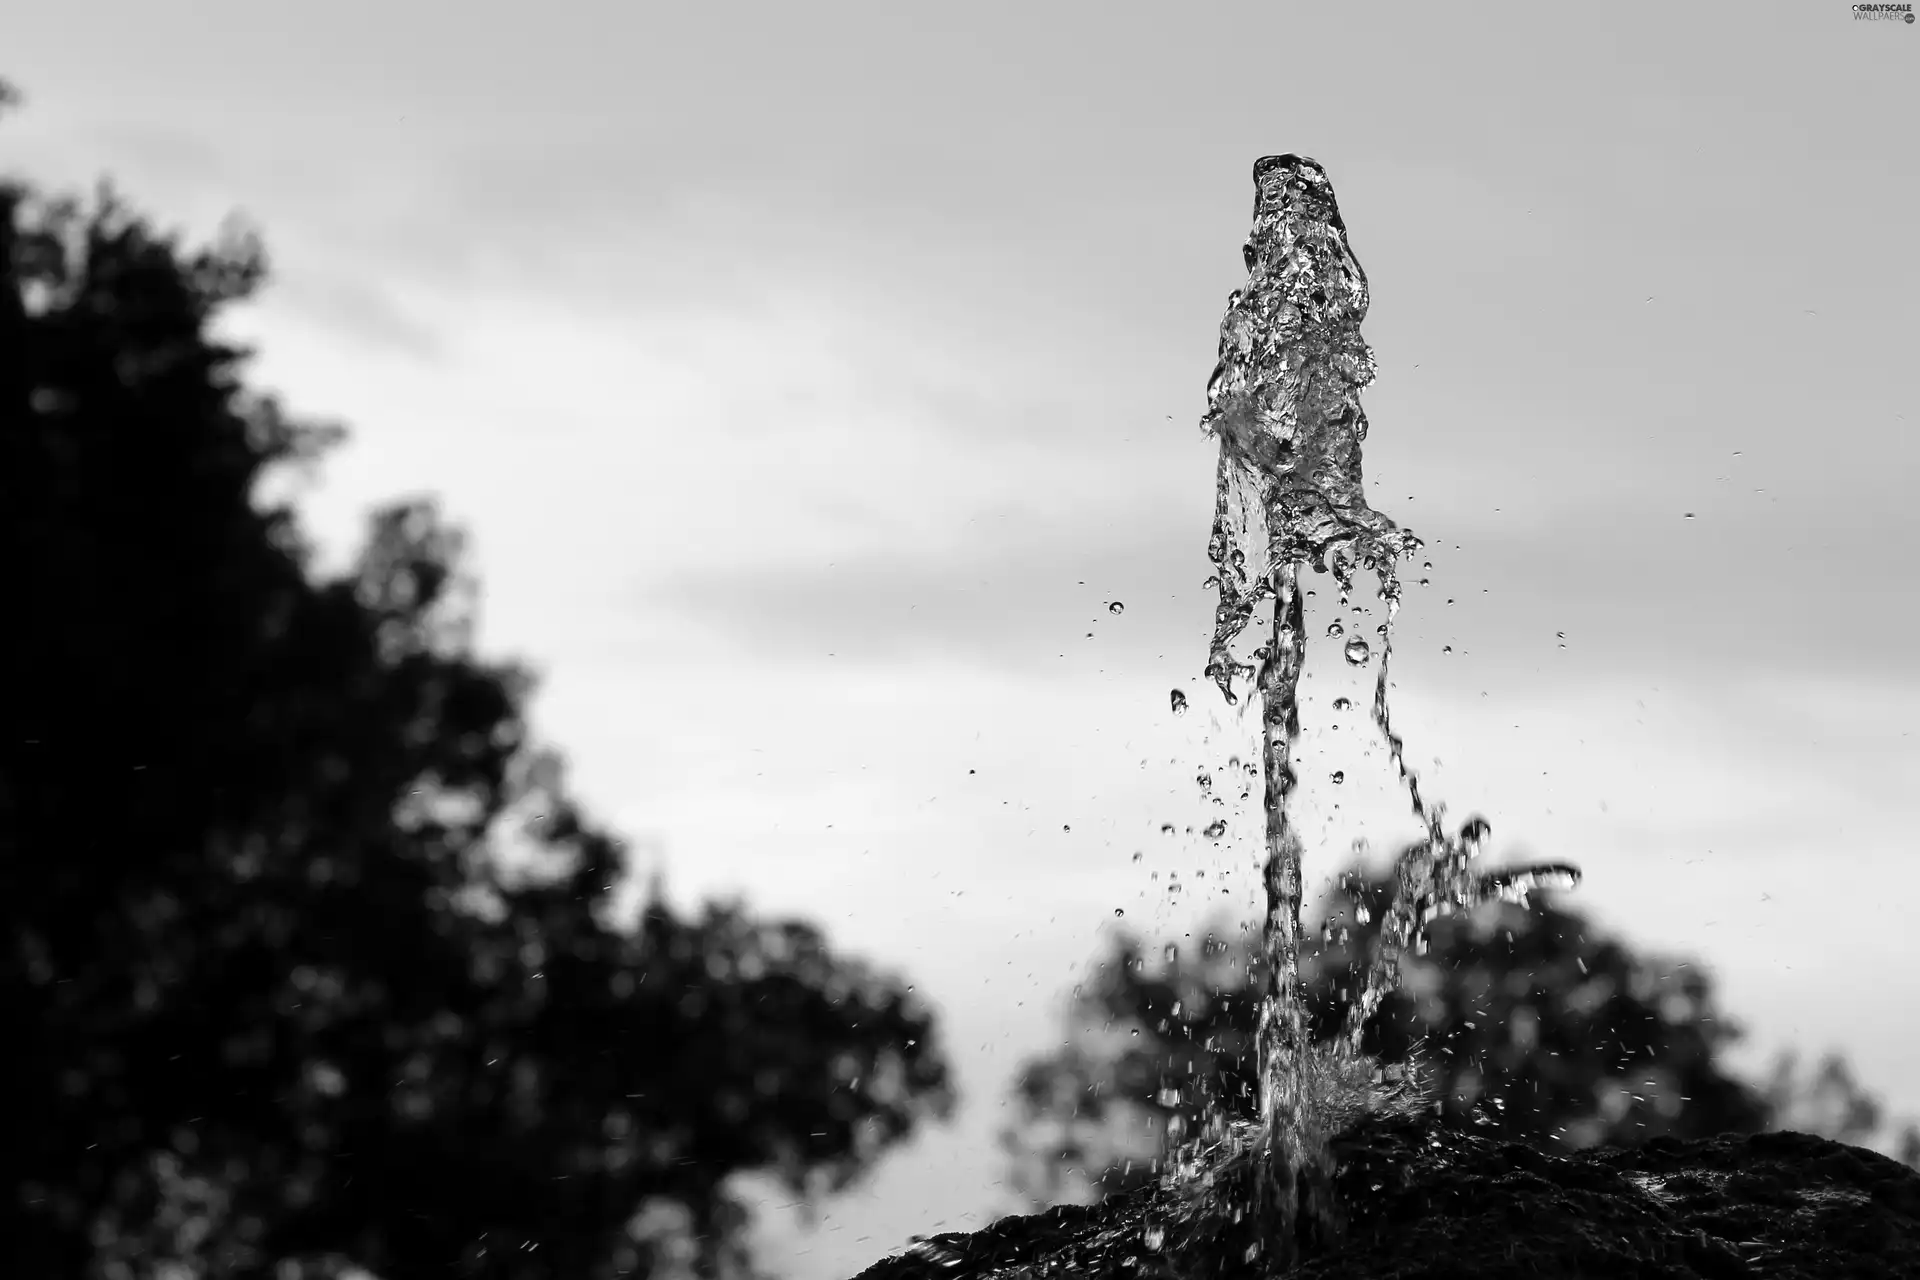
1346,1167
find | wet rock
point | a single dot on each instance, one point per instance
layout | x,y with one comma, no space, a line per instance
1425,1201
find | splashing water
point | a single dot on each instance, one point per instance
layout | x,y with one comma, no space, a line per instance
1285,404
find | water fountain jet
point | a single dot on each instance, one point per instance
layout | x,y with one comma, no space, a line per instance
1336,1140
1284,401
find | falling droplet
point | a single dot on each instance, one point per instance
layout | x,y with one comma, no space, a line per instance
1116,608
1153,1237
1358,651
1166,828
1137,856
1446,648
1343,704
1335,629
1118,912
1179,701
1689,515
1338,777
1474,831
1215,829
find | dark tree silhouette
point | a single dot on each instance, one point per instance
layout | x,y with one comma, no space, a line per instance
274,1004
1522,1018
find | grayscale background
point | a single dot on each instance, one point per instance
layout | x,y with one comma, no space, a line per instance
811,377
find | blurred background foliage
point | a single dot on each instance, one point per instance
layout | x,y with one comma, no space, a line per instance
311,961
1525,1020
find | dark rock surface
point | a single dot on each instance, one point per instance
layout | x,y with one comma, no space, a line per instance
1427,1202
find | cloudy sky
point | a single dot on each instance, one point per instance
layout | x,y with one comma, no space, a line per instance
811,378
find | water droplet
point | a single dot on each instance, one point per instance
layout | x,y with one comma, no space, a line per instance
1166,828
1215,829
1342,704
1335,629
1358,651
1446,648
1153,1236
1170,953
1689,515
1137,856
1475,830
1116,608
1065,828
1179,702
1118,912
1338,777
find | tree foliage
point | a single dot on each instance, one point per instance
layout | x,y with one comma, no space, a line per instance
1831,1102
275,1004
1526,1019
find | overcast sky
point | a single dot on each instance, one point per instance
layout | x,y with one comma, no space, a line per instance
811,376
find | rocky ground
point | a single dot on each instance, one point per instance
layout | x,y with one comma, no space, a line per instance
1430,1202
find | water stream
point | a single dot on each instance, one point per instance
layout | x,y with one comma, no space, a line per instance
1284,402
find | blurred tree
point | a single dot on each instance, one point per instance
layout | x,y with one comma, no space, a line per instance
1831,1101
1521,1018
275,1003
